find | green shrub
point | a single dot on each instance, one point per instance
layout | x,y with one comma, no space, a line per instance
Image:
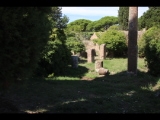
114,27
86,35
99,34
56,55
147,36
96,40
141,44
75,45
70,33
152,50
115,42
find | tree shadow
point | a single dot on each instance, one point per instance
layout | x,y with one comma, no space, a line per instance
75,72
113,93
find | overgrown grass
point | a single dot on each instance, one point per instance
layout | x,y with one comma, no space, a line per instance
82,90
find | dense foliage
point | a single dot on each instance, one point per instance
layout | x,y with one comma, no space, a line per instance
103,24
74,40
79,25
114,27
75,45
24,31
115,42
123,14
150,18
56,55
151,49
32,42
83,25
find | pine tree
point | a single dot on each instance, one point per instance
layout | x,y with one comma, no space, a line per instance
123,13
150,18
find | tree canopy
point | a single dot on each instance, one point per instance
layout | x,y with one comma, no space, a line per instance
150,18
24,31
115,41
123,14
78,25
102,24
28,36
55,55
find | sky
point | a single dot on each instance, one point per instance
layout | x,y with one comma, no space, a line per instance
94,13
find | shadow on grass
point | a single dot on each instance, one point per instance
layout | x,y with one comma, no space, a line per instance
76,72
117,93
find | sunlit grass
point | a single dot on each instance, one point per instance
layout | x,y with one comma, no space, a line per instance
67,102
63,78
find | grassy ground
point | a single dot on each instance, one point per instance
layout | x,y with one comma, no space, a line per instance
82,90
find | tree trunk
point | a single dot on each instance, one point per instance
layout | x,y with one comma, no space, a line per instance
132,40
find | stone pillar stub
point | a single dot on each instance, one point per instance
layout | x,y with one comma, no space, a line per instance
98,65
90,55
74,61
102,51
